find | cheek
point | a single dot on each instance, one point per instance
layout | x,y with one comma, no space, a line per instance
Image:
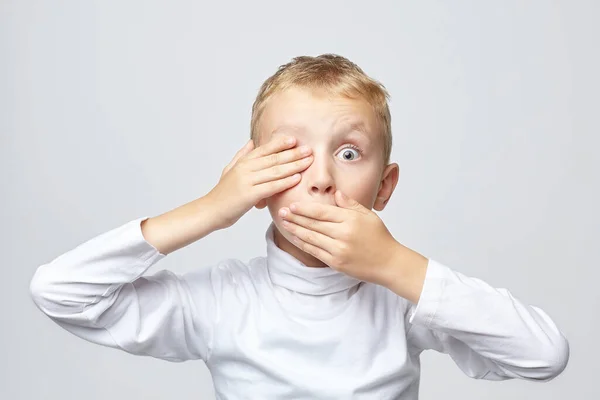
277,201
362,189
285,197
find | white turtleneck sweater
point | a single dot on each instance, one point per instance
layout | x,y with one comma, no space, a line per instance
273,328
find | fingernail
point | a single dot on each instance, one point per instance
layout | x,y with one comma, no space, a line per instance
304,149
282,212
289,141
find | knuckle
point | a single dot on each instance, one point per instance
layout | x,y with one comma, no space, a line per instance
343,248
274,158
345,233
276,171
235,172
242,163
310,237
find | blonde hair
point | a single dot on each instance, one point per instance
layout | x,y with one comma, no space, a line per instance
334,74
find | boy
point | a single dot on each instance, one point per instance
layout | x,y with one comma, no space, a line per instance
338,308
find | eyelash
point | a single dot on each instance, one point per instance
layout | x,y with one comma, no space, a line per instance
354,147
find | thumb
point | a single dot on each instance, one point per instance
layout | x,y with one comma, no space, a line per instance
344,201
248,147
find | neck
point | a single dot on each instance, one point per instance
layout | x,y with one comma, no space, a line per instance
288,267
307,259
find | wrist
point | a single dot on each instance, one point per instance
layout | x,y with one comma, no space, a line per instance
405,274
218,210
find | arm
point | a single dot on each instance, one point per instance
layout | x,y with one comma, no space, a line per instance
97,291
487,331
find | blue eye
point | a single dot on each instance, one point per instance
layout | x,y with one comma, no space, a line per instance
347,153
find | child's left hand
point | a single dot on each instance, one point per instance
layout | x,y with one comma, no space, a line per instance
349,238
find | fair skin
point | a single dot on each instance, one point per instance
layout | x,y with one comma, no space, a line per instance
345,137
324,124
321,227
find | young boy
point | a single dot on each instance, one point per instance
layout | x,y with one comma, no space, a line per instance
338,308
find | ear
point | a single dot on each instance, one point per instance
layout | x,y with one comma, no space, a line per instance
389,180
261,204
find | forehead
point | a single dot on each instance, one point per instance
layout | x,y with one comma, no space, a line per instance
305,112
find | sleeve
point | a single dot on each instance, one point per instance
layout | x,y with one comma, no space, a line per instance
486,331
97,292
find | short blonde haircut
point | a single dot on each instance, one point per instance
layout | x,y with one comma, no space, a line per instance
334,74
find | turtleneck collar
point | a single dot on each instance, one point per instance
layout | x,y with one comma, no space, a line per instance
287,271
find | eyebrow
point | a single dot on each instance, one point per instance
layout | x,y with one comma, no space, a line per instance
356,126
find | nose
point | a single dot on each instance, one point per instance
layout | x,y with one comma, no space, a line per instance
319,176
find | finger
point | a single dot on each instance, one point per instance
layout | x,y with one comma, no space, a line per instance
324,227
281,157
309,240
323,212
280,143
281,171
268,189
313,250
308,236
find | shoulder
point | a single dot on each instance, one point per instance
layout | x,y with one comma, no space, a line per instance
237,272
230,274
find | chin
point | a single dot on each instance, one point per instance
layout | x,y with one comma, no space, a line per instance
282,231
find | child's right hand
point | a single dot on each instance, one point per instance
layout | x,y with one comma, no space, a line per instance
255,174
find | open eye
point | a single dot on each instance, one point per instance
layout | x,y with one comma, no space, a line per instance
350,153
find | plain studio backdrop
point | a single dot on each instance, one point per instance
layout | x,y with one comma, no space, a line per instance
111,110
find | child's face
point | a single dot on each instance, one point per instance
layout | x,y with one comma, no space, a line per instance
334,127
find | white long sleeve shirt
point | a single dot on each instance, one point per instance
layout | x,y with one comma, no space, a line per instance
273,328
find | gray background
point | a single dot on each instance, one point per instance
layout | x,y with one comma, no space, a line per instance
110,110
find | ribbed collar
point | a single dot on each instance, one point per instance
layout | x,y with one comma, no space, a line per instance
287,271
